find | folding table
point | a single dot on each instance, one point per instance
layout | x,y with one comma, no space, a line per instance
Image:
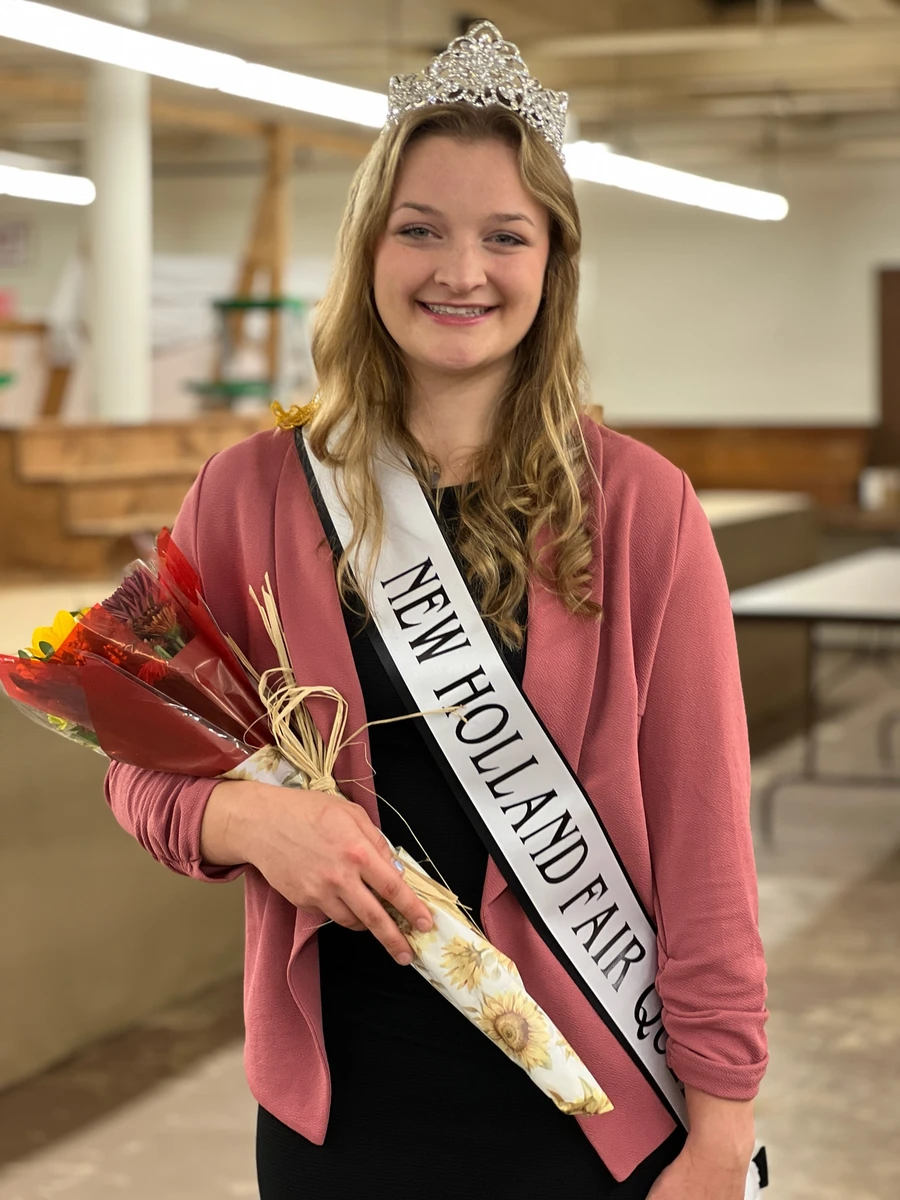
863,590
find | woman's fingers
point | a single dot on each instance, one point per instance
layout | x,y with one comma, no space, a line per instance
373,877
387,881
377,920
343,916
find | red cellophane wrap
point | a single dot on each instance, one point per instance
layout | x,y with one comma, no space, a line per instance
147,676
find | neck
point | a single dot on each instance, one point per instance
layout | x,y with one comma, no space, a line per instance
451,417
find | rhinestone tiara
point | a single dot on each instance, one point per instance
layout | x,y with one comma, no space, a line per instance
482,69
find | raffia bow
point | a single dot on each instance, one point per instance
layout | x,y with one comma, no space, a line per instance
294,732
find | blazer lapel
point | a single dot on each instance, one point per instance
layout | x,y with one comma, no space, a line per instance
314,625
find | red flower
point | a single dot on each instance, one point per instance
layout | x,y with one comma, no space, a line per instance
152,671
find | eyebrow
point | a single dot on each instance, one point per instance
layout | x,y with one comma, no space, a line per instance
427,210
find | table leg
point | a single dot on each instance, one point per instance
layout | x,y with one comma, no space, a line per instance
808,770
886,726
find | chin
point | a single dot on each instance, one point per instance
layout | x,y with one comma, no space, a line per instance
457,366
459,358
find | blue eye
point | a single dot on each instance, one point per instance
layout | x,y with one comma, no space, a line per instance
419,233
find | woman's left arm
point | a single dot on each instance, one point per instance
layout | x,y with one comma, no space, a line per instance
695,778
716,1157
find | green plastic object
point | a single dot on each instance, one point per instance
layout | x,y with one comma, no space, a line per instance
246,367
233,389
265,303
6,378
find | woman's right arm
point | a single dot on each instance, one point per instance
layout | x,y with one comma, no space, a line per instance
320,851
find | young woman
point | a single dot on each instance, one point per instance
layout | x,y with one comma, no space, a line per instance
448,332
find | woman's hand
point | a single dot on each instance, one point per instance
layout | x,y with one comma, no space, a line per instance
321,852
702,1172
716,1157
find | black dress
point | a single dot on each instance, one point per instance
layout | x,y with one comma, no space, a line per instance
422,1100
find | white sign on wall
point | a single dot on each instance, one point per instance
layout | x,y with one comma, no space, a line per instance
15,236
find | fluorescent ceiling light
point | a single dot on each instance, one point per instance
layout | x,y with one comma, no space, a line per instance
593,162
46,185
72,33
337,100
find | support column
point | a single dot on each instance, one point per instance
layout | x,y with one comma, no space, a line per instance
119,162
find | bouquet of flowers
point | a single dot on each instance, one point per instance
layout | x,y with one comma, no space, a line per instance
147,677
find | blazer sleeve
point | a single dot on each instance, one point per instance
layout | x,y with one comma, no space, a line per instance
695,776
162,810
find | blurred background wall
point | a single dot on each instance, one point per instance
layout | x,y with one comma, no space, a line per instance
792,341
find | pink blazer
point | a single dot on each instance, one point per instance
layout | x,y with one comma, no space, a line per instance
646,707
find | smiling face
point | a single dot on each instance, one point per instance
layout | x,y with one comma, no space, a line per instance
460,268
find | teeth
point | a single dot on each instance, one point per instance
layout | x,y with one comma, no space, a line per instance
450,310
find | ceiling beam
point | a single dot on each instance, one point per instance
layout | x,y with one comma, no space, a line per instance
67,92
665,105
705,39
783,60
860,10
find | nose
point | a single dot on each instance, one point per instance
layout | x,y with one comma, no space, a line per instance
461,268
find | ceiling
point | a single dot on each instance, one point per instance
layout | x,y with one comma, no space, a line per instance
685,82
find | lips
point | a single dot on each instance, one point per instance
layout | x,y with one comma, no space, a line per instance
458,310
456,314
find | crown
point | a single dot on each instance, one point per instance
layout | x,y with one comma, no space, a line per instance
480,68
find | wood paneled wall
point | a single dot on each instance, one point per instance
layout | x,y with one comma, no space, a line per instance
822,461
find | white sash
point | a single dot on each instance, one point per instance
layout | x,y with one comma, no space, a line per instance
520,794
541,828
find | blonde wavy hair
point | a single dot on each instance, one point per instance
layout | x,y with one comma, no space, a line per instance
534,471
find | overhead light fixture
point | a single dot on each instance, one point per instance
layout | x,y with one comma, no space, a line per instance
71,33
595,162
46,185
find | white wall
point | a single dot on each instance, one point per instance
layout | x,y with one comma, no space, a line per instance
694,317
190,216
686,316
54,231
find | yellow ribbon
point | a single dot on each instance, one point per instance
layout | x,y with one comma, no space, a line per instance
296,416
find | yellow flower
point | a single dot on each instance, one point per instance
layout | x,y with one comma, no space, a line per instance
497,960
463,962
594,1101
567,1050
514,1022
53,635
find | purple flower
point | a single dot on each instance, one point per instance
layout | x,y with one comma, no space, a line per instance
139,602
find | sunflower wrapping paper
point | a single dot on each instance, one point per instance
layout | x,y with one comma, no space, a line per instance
486,987
476,977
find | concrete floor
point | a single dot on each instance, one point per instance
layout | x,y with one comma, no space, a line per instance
829,1109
